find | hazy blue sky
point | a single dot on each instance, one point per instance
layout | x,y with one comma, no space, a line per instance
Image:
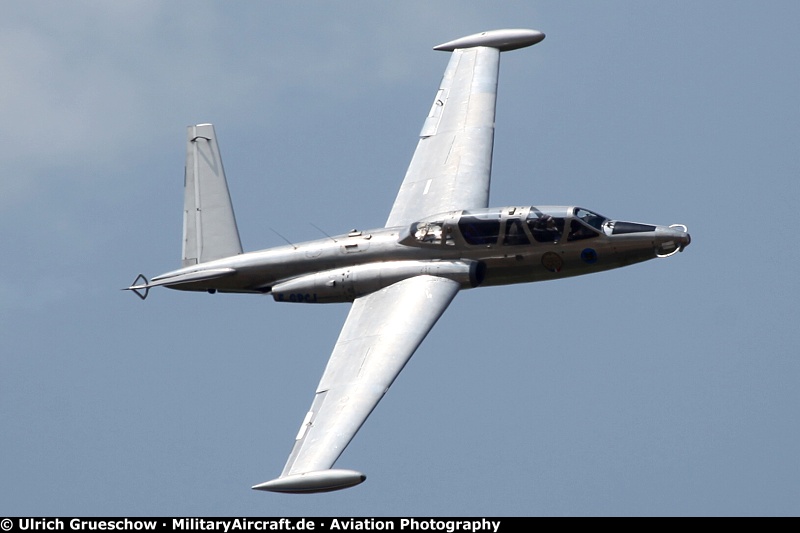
667,388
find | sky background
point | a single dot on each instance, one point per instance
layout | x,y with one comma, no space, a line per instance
664,388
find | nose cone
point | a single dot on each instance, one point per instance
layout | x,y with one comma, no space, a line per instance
672,239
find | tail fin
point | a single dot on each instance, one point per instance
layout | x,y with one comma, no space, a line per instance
209,226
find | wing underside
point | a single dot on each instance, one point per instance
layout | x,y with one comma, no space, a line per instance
379,336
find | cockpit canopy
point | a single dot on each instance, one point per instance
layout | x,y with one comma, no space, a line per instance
508,226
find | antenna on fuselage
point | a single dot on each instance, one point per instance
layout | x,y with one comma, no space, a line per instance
323,232
284,238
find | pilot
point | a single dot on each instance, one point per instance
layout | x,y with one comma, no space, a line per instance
545,229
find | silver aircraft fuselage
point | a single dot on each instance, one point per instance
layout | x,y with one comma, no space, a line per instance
495,246
440,237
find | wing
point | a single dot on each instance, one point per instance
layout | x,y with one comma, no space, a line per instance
450,170
452,165
379,336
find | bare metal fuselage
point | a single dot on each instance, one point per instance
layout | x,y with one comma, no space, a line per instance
319,271
402,277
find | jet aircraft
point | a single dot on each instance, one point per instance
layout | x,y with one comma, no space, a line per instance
441,237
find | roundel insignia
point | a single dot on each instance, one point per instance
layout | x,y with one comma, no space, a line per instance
588,255
552,262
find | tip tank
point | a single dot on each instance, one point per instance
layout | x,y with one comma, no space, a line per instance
310,482
503,40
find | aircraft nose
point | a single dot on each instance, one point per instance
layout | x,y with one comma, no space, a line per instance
672,239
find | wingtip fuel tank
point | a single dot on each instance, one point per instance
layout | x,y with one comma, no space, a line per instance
503,40
319,481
